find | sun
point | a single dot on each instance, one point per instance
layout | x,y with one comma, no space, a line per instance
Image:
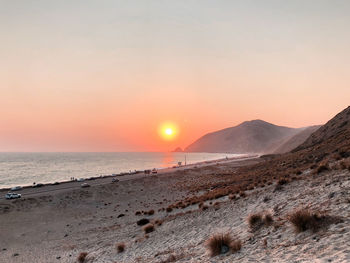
168,131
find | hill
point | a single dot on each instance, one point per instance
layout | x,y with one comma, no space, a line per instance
255,136
296,140
332,137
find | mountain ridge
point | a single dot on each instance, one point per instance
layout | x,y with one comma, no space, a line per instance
254,136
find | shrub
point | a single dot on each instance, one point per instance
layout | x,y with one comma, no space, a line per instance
268,219
242,194
169,209
142,222
221,244
305,219
158,222
120,247
82,257
148,228
138,213
255,221
151,212
282,181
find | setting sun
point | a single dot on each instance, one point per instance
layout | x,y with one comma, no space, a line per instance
168,131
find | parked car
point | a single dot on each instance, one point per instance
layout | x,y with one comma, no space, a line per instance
81,180
16,188
154,171
84,185
12,195
38,185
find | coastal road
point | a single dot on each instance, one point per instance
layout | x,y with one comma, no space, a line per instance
70,185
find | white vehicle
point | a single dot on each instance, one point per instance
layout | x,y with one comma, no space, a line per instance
12,196
81,180
16,188
84,185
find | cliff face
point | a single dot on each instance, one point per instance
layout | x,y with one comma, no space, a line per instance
255,136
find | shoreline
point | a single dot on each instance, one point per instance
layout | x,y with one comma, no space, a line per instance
127,175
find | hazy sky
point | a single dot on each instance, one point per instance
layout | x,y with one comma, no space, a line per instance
103,75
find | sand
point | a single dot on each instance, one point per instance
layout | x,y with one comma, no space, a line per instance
57,225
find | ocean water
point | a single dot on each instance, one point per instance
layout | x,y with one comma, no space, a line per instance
26,168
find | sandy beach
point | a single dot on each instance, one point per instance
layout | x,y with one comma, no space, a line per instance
50,224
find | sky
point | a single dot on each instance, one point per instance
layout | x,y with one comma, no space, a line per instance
105,75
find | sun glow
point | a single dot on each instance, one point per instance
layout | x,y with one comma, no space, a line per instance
168,131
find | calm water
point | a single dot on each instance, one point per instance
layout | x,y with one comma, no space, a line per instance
26,168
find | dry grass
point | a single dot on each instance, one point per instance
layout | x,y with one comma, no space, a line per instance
148,228
268,219
120,247
82,257
304,219
256,221
221,244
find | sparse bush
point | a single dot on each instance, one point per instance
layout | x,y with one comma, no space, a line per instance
158,222
255,221
148,228
142,222
82,257
305,219
169,209
282,181
242,194
268,219
120,247
266,199
221,244
150,212
138,213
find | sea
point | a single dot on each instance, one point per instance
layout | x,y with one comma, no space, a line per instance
21,169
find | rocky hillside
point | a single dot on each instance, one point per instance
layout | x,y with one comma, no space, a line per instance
332,137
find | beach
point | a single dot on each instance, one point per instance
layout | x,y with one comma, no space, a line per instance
51,224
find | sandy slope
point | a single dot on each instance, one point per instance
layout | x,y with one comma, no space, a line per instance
57,227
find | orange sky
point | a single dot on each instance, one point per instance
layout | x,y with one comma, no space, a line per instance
88,77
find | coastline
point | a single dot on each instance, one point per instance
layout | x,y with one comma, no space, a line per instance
135,174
